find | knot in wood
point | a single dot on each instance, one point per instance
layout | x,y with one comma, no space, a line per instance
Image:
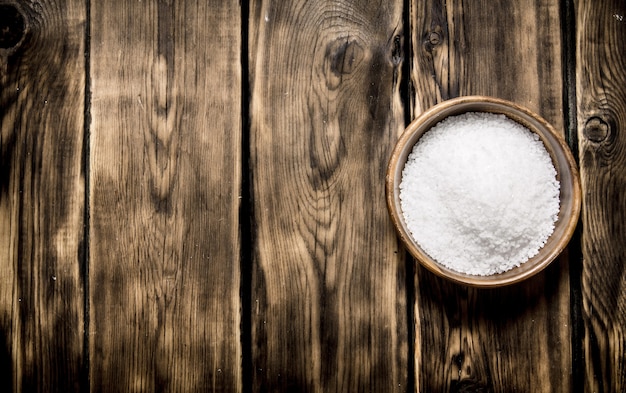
396,50
345,55
596,129
434,38
12,26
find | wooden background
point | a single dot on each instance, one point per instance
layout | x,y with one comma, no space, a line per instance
192,199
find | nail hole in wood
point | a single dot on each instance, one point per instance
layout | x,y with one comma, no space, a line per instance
12,26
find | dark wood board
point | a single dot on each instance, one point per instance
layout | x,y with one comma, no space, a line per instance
177,216
165,186
515,338
601,108
328,285
42,94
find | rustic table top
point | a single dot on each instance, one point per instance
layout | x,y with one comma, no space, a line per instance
192,196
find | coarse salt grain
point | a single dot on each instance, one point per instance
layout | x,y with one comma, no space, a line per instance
479,193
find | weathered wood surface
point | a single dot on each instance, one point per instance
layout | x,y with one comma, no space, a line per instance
128,131
164,194
328,289
601,92
42,84
500,340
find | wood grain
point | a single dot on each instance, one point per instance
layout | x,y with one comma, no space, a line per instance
515,338
164,196
156,273
42,87
328,295
601,103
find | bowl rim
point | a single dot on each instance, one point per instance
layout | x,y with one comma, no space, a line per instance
516,112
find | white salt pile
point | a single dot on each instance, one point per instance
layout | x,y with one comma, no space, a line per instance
479,193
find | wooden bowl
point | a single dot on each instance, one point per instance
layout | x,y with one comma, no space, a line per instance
564,163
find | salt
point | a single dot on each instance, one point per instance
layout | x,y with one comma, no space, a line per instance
479,193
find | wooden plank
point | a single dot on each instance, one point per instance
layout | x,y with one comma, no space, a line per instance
164,196
42,87
328,290
601,103
515,338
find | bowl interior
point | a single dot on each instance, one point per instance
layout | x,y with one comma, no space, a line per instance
567,174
